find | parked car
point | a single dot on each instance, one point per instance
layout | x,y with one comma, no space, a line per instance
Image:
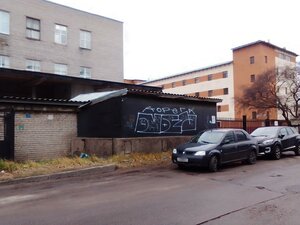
274,140
212,148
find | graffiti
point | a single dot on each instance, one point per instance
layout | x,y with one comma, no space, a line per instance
166,120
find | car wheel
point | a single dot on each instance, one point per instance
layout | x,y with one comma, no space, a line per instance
276,154
297,150
252,157
213,164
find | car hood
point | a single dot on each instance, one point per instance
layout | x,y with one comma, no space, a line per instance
260,139
195,147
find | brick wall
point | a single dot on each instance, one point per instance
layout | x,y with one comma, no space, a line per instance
43,135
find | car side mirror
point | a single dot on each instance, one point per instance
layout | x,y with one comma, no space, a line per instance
281,136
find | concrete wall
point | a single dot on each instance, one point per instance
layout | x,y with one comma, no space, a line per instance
44,135
103,147
105,58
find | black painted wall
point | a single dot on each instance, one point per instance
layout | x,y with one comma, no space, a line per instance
144,116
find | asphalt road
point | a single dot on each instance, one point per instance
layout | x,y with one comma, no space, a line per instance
265,193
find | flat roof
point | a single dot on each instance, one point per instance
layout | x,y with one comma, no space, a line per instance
192,71
268,44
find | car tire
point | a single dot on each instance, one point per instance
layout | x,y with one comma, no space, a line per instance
276,153
252,157
213,164
297,149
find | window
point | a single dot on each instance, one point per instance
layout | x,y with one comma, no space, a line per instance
240,136
266,59
85,39
225,74
219,108
4,22
252,60
225,91
33,65
210,93
197,80
173,85
60,69
4,61
197,94
254,115
252,78
163,86
33,28
61,36
85,72
210,77
229,138
183,83
283,132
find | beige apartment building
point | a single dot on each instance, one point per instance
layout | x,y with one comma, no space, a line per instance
228,80
39,35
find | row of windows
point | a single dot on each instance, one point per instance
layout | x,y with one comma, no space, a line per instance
195,80
33,31
252,59
211,93
35,65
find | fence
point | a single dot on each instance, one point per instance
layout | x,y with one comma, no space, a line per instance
248,125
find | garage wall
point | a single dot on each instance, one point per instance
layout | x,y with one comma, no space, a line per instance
43,135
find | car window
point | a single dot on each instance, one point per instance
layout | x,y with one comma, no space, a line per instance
240,136
229,138
209,137
290,131
283,132
265,132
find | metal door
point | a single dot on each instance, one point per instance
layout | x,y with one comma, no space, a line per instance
7,134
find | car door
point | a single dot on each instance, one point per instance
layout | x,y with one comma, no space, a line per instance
285,141
228,147
292,136
243,145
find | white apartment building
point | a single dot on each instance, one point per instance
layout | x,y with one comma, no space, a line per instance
42,36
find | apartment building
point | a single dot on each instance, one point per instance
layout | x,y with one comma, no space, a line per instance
228,80
39,35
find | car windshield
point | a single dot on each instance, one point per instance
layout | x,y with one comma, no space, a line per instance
209,137
265,131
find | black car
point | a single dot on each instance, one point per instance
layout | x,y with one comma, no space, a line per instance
274,140
212,148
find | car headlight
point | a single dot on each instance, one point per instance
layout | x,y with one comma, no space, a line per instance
268,142
200,153
174,151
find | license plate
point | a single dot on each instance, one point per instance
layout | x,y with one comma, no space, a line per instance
182,159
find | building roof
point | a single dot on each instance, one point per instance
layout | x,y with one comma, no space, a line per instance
192,71
40,101
94,98
268,44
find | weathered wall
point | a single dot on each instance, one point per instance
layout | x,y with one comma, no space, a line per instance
44,135
109,146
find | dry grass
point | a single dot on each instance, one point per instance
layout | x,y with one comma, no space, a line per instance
10,170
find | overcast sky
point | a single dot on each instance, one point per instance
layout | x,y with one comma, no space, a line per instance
168,37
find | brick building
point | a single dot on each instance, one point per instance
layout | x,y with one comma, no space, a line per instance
227,80
39,35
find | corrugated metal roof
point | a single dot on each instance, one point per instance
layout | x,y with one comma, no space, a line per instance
40,101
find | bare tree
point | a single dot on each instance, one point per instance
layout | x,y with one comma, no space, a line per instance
274,89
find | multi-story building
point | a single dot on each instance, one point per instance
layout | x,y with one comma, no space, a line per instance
228,80
39,35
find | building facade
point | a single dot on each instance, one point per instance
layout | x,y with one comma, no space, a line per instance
228,80
39,35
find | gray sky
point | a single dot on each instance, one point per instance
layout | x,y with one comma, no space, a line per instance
168,37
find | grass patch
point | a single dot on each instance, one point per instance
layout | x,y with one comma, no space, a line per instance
10,169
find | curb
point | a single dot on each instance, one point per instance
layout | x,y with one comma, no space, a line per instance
66,174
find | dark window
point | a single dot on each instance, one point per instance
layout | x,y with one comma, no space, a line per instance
229,138
183,82
254,115
252,78
219,108
173,84
225,91
210,93
197,94
266,59
163,86
210,77
197,80
252,60
33,27
225,74
240,136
